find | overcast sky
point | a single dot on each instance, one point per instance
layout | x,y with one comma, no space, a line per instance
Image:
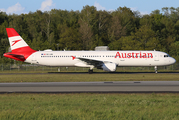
25,6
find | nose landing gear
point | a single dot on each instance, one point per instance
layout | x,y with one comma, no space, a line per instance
155,69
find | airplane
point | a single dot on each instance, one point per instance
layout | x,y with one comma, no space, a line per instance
106,60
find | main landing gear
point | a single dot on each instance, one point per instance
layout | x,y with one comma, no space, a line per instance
155,69
90,71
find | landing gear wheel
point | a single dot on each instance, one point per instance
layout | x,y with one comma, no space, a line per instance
90,71
155,69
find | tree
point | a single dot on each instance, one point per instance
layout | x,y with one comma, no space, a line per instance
127,18
87,24
143,39
116,30
101,32
70,40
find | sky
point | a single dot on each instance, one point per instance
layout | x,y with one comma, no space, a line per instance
26,6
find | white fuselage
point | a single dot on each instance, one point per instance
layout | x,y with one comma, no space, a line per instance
120,58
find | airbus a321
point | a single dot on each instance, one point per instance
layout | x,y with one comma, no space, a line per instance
106,60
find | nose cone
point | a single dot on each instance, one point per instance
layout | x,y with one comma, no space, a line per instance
172,60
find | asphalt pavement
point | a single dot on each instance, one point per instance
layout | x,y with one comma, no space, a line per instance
92,87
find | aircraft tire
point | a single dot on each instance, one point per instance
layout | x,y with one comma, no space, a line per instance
90,71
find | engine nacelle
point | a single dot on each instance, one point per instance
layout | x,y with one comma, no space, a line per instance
110,67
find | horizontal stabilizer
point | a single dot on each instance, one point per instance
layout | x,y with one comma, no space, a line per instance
15,56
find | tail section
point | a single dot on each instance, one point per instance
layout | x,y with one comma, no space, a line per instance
20,49
15,39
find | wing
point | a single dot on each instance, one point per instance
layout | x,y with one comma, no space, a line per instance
95,63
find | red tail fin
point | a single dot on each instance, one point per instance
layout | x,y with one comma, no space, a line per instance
20,49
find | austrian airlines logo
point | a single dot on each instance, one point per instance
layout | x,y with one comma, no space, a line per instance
15,41
134,55
73,57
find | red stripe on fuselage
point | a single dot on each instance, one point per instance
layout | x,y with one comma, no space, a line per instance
23,51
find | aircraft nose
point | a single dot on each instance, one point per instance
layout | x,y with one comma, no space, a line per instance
172,60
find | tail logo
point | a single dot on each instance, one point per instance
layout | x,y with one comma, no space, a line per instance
15,41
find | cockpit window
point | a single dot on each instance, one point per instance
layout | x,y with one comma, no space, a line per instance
166,55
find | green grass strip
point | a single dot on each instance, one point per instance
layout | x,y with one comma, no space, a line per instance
87,77
89,106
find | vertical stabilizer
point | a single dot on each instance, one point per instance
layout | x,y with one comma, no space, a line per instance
15,39
20,50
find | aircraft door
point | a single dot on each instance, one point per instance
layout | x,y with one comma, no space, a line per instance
34,60
122,59
156,57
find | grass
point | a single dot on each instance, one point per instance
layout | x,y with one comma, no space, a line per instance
89,106
87,77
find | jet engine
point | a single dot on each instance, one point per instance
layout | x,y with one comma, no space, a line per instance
110,67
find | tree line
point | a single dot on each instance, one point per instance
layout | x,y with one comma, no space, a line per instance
122,29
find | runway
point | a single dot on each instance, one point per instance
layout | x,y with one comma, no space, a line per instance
92,87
